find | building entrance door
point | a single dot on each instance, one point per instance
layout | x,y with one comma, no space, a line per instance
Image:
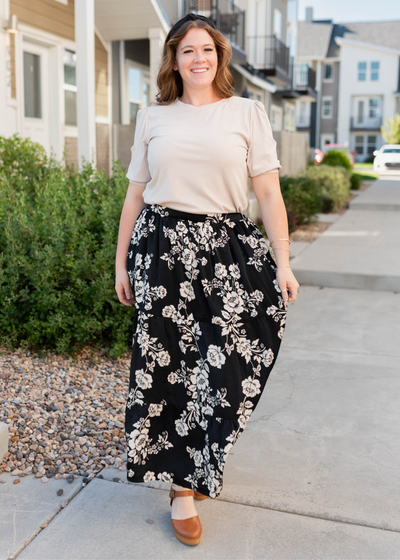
36,111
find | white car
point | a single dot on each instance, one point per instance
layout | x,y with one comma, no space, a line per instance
387,159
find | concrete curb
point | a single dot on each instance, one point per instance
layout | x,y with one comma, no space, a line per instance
3,440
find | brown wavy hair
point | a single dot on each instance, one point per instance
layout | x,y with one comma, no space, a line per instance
169,81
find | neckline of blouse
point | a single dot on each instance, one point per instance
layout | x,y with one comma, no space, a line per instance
199,106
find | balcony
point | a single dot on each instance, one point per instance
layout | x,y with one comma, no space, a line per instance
270,56
303,122
228,19
364,123
304,80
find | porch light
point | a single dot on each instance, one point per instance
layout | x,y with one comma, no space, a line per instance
11,25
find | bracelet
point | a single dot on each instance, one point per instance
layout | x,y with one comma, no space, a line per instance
282,249
284,266
282,239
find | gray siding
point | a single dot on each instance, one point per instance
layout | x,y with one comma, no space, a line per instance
329,126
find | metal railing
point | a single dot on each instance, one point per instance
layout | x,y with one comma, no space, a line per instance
370,123
227,17
268,53
303,77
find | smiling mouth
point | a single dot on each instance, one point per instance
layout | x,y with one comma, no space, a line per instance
202,71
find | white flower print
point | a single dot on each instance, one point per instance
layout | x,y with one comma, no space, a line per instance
149,476
220,270
189,258
138,439
187,291
251,387
143,380
155,409
181,427
268,357
233,303
226,321
215,356
172,378
163,358
165,477
169,311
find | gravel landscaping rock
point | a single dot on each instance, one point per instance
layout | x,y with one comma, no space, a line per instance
65,416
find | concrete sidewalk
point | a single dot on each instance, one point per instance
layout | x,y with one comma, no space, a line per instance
361,249
313,476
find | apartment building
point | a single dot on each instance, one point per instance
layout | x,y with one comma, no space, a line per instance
357,69
88,110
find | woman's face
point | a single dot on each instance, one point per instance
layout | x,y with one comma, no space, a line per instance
196,51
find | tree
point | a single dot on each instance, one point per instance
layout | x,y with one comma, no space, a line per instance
391,130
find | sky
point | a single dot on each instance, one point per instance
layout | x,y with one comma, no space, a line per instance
351,10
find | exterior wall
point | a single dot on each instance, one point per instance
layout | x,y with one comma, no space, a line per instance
12,67
280,5
330,89
101,78
47,15
293,151
350,86
57,19
102,146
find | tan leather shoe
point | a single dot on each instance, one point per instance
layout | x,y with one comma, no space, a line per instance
187,530
199,496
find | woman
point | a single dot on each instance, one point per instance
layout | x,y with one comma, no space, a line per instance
211,302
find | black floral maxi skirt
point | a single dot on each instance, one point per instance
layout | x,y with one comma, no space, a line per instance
208,325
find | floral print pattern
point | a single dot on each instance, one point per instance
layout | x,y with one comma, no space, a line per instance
208,326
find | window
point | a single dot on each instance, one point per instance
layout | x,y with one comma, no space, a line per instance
374,71
327,107
70,87
373,108
327,140
276,117
138,81
362,71
290,117
328,73
278,24
32,89
371,144
134,92
359,145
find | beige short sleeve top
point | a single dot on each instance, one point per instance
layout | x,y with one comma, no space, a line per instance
198,159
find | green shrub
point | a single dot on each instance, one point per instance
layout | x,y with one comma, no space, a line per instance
24,162
334,183
355,181
337,158
302,197
58,235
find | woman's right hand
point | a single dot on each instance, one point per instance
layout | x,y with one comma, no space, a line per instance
123,287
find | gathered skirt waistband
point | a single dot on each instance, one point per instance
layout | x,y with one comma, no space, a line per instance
199,217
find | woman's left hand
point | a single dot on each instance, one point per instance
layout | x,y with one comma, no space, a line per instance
287,283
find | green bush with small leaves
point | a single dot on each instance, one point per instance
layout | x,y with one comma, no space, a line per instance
355,181
334,183
58,236
337,158
303,199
